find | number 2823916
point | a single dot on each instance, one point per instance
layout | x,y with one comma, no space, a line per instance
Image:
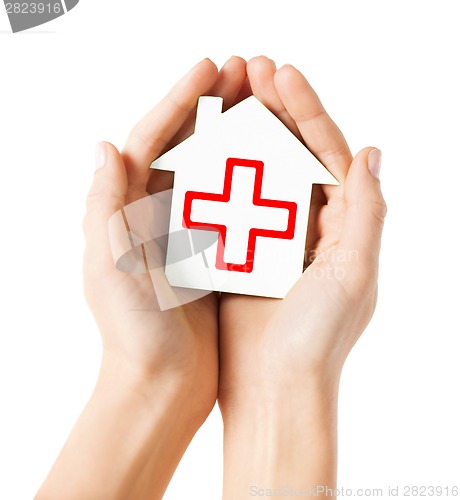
33,8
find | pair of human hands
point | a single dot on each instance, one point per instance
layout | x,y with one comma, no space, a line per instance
233,345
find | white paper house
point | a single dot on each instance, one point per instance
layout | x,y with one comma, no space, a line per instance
244,176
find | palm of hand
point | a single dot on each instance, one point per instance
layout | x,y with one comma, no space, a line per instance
300,330
128,315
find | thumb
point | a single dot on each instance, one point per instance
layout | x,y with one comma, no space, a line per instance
365,208
107,193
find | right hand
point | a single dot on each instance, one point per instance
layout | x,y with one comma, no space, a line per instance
178,344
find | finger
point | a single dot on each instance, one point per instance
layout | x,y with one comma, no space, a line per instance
244,92
106,195
321,135
228,85
231,78
261,72
151,135
365,209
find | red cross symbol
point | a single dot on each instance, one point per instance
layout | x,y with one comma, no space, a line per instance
240,215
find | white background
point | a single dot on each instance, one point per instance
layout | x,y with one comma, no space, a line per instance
387,71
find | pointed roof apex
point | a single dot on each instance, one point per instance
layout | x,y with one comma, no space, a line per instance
209,114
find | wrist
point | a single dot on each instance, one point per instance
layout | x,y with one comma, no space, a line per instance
289,436
163,391
272,396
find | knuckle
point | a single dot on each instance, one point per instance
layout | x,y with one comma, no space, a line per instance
153,143
379,211
175,100
376,209
92,198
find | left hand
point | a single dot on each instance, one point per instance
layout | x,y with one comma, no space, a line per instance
271,343
280,360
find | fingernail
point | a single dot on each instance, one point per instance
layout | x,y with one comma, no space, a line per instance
101,153
374,162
